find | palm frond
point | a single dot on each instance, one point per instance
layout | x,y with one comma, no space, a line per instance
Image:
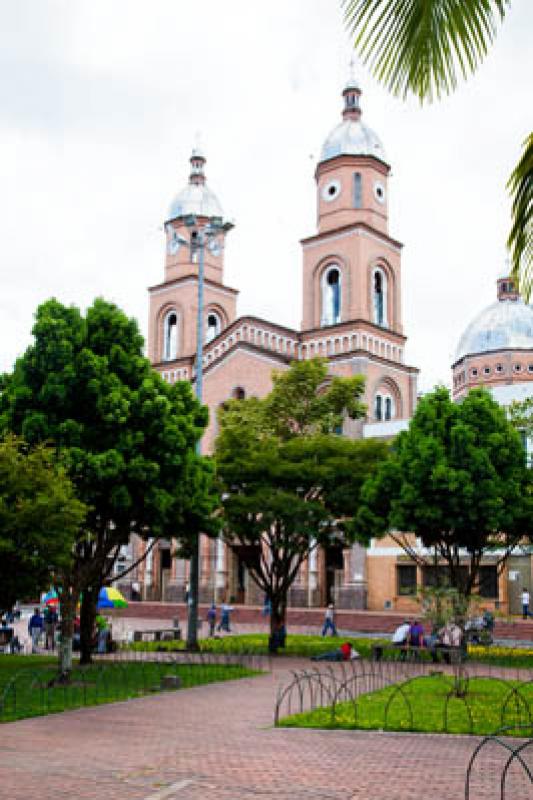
520,241
421,46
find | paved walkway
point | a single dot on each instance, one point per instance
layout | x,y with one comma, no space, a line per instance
217,742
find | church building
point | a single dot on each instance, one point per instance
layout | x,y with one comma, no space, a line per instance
494,352
351,315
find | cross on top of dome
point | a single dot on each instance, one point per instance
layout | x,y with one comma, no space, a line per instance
351,94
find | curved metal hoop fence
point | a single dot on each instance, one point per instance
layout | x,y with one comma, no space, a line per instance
510,760
340,689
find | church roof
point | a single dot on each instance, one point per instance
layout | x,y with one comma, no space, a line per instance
353,138
504,325
197,199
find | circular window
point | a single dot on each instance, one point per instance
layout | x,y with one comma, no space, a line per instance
331,190
379,192
517,367
473,372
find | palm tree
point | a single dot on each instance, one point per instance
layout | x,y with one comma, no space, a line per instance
423,47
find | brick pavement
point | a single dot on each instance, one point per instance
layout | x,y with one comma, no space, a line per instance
217,742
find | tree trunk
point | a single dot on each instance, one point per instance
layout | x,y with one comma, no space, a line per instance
87,623
278,617
68,610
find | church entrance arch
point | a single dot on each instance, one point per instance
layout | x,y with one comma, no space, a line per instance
333,571
241,584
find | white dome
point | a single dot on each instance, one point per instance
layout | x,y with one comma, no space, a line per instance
504,325
353,138
195,199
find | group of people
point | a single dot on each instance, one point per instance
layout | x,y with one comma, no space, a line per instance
43,623
411,634
225,618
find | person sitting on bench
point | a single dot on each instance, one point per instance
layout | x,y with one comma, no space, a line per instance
416,635
399,637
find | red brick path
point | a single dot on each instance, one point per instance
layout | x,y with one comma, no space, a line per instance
217,742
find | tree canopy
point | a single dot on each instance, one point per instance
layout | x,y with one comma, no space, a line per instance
126,438
40,518
288,483
423,47
457,480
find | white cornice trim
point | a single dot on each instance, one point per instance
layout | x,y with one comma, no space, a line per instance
332,237
406,370
188,281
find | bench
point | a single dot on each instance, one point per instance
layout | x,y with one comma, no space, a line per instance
157,635
402,652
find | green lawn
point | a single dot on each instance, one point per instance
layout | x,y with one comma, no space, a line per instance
421,706
25,689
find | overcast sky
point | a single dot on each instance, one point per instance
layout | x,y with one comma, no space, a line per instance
100,104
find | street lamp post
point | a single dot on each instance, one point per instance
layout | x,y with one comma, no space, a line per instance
212,228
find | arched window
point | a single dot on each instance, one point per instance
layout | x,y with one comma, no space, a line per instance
170,336
213,326
238,393
379,297
384,409
331,296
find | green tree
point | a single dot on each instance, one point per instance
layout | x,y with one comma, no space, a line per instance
457,480
127,439
422,47
288,483
39,520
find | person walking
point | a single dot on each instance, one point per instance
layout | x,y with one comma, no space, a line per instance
35,629
224,624
525,603
50,624
103,634
329,621
212,619
267,607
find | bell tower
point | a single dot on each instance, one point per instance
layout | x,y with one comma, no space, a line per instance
174,303
352,266
352,173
